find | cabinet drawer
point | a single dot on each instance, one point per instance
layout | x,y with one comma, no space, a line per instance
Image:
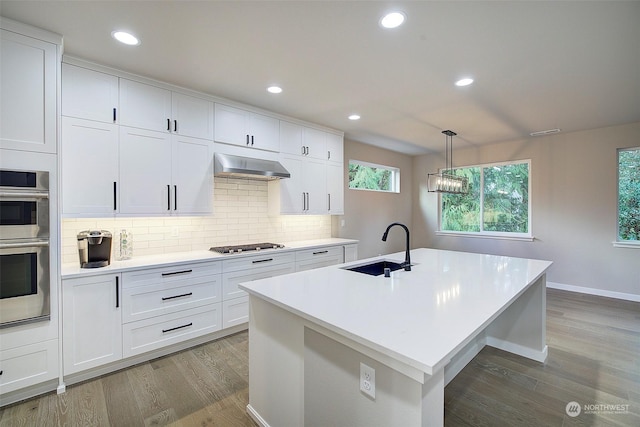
235,311
157,332
143,302
28,365
231,280
266,257
317,253
176,273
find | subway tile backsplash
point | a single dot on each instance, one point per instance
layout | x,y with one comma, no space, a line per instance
240,216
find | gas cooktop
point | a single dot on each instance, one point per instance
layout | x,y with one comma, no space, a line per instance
244,248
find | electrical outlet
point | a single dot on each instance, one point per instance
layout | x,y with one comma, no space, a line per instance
368,380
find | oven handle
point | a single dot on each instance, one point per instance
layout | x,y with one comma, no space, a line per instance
28,244
25,194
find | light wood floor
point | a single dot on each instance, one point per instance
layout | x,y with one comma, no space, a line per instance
594,359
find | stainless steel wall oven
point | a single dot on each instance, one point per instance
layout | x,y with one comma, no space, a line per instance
24,247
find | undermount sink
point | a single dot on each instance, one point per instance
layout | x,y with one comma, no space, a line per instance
375,268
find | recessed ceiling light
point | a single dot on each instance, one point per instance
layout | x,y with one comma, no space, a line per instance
464,82
126,38
354,117
274,89
392,20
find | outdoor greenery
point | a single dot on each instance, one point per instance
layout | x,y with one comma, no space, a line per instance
629,194
499,194
370,177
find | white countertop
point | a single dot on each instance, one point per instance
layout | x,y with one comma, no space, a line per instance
165,260
420,317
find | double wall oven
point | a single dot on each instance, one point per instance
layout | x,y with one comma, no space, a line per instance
24,247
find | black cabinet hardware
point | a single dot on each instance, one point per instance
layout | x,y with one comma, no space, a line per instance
168,197
177,327
175,197
169,125
114,115
321,252
261,260
117,292
115,199
176,272
175,126
177,296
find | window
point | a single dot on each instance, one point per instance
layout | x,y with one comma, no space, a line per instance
369,176
629,195
498,202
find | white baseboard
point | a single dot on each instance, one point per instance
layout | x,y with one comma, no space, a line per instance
255,416
592,291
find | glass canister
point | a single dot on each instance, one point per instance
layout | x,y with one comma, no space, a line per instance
125,250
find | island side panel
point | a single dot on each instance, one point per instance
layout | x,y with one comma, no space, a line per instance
521,328
276,365
332,395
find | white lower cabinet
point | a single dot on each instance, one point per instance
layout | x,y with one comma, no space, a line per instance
28,365
113,316
168,305
91,322
246,269
319,257
157,332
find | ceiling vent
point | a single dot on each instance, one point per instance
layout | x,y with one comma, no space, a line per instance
545,132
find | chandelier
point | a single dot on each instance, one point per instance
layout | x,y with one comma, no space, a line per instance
445,181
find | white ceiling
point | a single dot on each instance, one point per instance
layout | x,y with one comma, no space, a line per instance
537,65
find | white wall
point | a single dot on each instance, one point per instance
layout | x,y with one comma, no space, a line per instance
574,202
368,213
240,216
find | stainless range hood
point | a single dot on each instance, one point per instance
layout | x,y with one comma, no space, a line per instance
246,167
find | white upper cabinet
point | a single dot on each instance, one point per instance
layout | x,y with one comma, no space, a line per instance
335,188
192,116
88,94
89,160
144,106
192,175
335,148
145,172
301,140
244,128
28,84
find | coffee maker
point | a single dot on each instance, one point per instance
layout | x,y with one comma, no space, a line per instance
94,248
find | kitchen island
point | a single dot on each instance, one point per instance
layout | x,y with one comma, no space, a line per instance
311,332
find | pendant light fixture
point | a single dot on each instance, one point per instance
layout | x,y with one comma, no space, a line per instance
445,181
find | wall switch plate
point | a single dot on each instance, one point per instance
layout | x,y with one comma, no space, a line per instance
368,380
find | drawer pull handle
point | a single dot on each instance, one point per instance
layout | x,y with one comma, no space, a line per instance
177,296
176,272
320,252
261,260
164,331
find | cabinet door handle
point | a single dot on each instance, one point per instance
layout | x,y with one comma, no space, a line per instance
329,200
117,292
115,198
114,115
258,261
164,331
252,140
175,126
169,125
176,272
303,149
328,155
177,296
247,139
320,252
168,197
175,197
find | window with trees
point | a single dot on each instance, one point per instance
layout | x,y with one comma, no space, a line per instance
369,176
498,202
629,195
